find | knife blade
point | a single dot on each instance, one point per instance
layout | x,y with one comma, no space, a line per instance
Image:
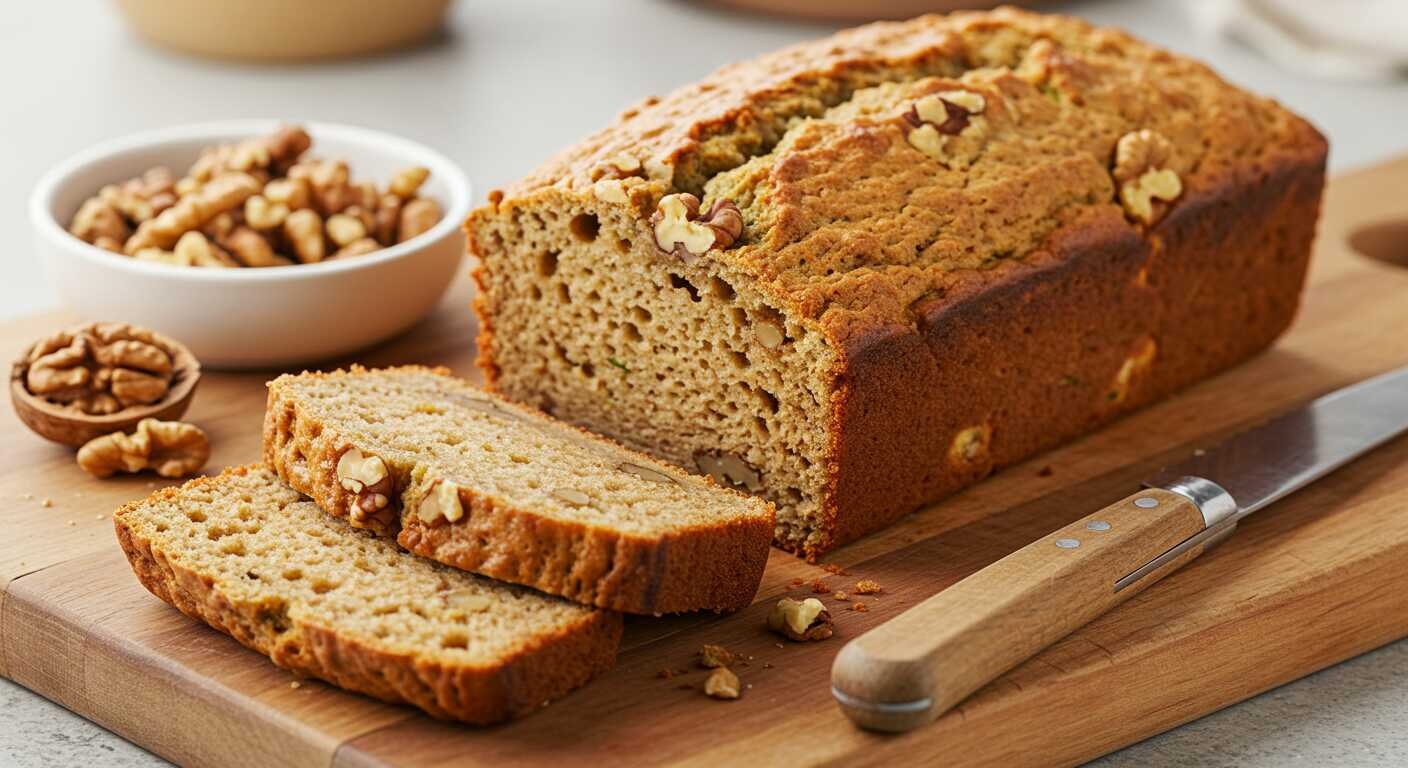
914,667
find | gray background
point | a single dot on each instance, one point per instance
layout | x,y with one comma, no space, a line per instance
511,82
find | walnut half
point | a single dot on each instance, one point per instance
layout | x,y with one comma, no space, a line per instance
681,230
170,448
101,368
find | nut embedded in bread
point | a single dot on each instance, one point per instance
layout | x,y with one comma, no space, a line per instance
463,477
963,239
253,559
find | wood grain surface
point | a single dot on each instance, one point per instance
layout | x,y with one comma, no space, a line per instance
1311,581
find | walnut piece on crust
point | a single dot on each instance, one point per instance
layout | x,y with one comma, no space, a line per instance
683,231
1146,182
169,448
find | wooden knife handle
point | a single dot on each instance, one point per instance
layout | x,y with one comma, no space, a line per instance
911,669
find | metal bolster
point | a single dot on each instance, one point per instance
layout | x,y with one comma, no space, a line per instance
1211,499
1219,512
885,707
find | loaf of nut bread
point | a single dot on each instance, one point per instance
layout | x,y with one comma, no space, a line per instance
862,273
466,478
254,559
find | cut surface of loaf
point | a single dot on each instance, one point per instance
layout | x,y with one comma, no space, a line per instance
254,559
469,479
859,274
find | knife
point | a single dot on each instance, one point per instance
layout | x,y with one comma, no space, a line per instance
913,668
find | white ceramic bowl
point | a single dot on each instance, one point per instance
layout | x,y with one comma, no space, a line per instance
253,318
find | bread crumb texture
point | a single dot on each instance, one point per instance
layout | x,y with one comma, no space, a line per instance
883,176
256,560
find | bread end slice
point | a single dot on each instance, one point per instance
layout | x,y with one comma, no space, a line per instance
251,558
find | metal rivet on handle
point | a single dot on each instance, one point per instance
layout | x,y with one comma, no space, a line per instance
1097,525
1146,502
1068,543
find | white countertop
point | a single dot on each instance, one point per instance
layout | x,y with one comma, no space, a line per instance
512,82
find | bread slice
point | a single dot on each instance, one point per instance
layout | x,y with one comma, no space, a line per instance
252,558
468,479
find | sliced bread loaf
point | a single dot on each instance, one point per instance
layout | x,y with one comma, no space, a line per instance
468,479
859,274
255,560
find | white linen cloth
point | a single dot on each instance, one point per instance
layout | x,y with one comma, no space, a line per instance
1334,39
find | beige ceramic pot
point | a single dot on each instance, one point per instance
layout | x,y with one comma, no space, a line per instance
283,30
857,10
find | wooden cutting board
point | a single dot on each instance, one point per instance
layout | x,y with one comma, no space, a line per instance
1311,581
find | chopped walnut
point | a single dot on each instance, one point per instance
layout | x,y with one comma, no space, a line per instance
170,448
372,486
800,620
610,191
617,167
193,211
729,470
97,220
971,444
441,501
722,683
256,203
1142,171
936,117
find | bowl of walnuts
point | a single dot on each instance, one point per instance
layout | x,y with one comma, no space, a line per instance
259,244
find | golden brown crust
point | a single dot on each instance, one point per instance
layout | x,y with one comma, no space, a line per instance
1035,350
544,670
703,567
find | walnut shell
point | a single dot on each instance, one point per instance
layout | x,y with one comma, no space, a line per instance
72,427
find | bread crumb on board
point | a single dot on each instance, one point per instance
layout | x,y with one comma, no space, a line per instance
868,587
715,656
860,607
